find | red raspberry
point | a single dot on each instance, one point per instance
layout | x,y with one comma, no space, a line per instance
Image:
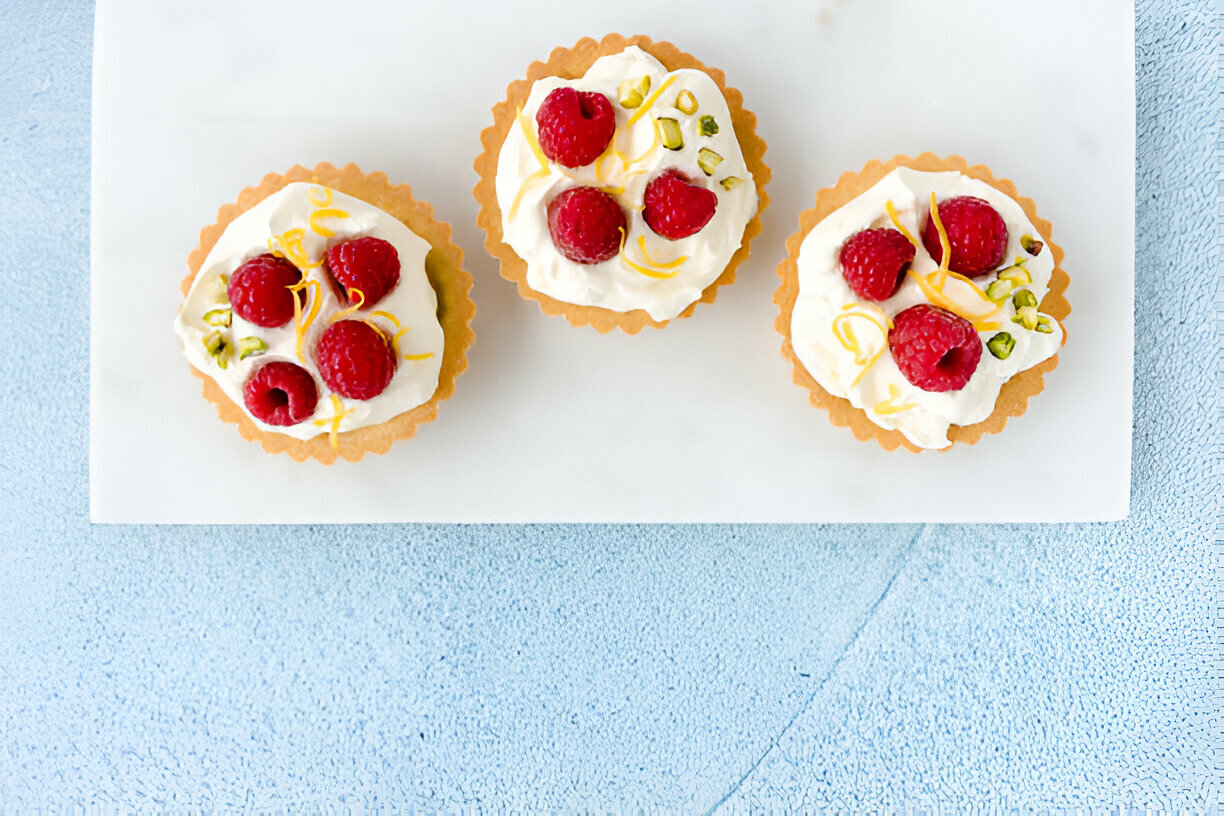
369,264
874,262
281,393
355,359
676,209
586,225
575,127
935,349
976,233
258,291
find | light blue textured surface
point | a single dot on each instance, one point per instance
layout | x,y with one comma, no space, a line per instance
675,668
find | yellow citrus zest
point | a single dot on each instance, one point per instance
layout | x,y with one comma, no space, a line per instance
640,112
386,316
301,326
637,267
660,264
890,406
892,216
626,163
845,335
944,247
395,338
532,141
527,182
353,307
324,199
871,307
339,412
327,212
289,245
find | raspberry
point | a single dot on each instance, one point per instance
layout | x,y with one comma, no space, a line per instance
976,233
355,360
369,264
874,262
935,349
281,393
575,127
586,225
676,209
258,291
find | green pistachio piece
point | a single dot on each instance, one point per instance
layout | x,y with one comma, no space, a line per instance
1043,325
219,289
220,316
686,103
250,347
998,290
217,348
1024,298
1031,245
1001,345
1018,275
632,92
673,139
706,126
1026,316
707,160
731,182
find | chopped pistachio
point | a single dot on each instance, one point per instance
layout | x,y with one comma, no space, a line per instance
1018,275
251,347
1000,289
1043,325
686,103
220,316
217,348
731,182
706,126
1031,245
1024,298
673,139
1026,316
219,289
1001,345
632,92
707,160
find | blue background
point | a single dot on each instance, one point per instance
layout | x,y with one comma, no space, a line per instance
673,668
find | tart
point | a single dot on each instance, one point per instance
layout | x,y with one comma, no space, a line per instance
921,302
326,312
621,183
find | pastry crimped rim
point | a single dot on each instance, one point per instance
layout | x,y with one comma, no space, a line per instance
1015,393
443,266
572,63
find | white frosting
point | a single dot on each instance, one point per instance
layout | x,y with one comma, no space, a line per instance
612,284
412,301
824,294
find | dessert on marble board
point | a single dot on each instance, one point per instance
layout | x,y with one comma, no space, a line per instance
621,183
327,313
922,302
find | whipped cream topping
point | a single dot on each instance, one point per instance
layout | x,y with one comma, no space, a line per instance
302,221
524,189
867,375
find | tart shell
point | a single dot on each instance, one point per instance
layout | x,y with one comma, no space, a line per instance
571,63
443,266
1013,397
